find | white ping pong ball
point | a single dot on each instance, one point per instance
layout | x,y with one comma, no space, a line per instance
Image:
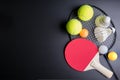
103,49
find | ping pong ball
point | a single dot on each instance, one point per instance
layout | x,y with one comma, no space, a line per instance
112,56
103,49
74,26
84,33
85,12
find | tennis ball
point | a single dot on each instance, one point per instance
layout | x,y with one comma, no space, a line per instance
84,33
74,27
103,49
85,12
112,56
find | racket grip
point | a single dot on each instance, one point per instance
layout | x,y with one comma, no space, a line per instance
106,72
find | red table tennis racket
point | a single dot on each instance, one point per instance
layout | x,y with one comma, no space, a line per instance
82,55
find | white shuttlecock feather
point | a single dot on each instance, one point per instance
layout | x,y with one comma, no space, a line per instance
102,33
102,21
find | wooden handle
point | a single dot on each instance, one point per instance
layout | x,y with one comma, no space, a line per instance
106,72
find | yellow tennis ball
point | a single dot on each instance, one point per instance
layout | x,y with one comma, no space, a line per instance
85,12
112,56
74,26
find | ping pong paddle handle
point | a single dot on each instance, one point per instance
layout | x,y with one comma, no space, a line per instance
106,72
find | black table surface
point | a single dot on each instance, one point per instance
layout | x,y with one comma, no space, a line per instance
33,37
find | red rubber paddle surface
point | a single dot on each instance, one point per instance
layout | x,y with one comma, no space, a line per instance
79,53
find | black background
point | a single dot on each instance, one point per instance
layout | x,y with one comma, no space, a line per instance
33,37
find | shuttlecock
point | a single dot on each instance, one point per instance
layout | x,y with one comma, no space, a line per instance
102,33
102,21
